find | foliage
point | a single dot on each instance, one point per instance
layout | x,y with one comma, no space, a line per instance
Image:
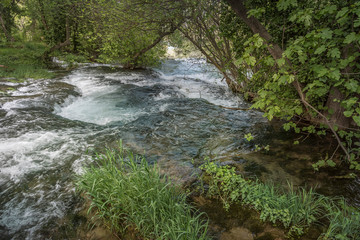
22,61
53,18
125,191
344,221
249,137
296,210
127,32
316,80
204,28
9,9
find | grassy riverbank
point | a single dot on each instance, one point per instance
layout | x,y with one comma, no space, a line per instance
295,210
20,61
127,193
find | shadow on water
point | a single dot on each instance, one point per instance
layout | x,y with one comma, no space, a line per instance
173,115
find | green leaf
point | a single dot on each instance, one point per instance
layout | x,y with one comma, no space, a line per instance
356,119
251,60
269,61
350,38
320,70
257,12
352,85
334,74
334,53
357,22
298,110
285,4
345,62
329,9
286,127
348,103
330,163
348,113
249,137
342,12
320,49
302,58
306,19
283,79
321,163
326,33
280,61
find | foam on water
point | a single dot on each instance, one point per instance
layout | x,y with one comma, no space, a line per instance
42,148
194,78
98,102
101,96
34,151
33,209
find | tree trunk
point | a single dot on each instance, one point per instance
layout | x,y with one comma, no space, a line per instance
336,116
67,42
135,58
231,84
7,34
43,19
276,52
274,49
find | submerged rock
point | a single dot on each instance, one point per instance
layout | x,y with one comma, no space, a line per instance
237,233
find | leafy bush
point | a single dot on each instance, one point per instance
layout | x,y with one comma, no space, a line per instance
295,210
125,191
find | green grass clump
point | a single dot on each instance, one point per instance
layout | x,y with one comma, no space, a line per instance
127,192
295,210
23,61
344,221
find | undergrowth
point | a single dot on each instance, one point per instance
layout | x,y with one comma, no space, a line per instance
21,61
296,210
126,192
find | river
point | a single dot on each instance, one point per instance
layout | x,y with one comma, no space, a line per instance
175,115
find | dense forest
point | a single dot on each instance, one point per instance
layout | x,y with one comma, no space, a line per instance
297,61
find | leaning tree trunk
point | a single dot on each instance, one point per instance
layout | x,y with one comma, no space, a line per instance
6,32
133,63
337,117
276,52
67,42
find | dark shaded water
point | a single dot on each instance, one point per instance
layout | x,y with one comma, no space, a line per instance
174,115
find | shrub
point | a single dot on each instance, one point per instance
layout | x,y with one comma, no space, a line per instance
295,210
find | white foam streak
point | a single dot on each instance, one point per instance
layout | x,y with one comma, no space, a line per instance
35,151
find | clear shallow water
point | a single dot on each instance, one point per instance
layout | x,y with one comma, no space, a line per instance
173,115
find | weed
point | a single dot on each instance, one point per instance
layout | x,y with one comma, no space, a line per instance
22,61
296,210
125,191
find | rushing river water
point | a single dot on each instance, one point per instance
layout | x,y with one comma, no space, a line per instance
175,115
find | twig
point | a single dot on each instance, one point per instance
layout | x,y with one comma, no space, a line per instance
334,152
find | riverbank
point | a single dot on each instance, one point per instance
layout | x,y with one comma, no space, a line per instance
21,61
124,192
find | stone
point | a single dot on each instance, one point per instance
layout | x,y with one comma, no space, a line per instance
237,233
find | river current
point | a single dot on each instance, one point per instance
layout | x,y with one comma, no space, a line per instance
175,115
